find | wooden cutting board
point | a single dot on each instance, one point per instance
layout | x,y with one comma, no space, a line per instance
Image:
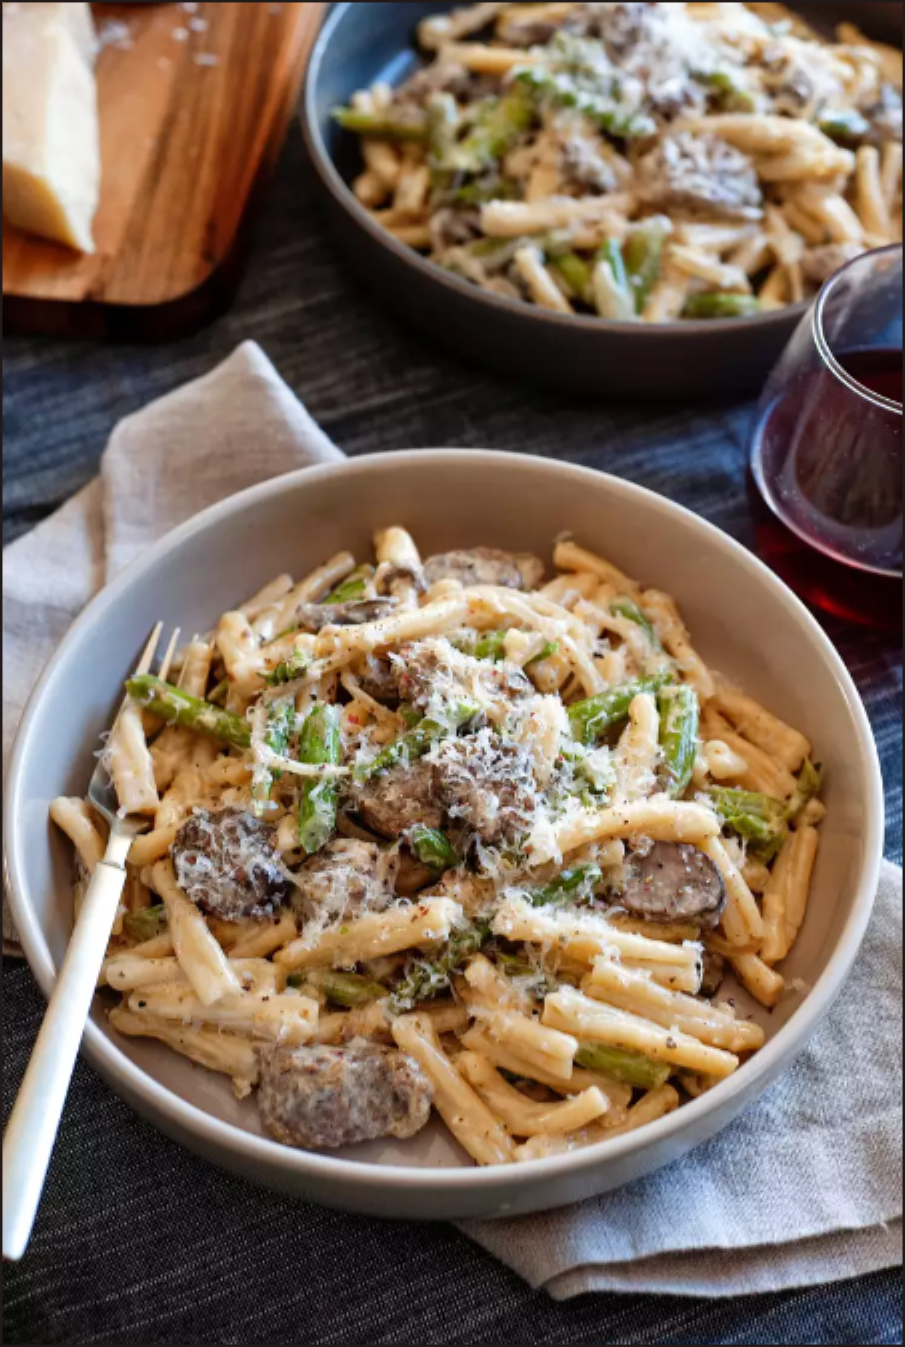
194,103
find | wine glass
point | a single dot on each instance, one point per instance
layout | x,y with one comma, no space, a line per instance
826,455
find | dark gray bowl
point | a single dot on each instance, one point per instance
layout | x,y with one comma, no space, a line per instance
361,43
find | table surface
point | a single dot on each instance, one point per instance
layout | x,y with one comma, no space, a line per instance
139,1242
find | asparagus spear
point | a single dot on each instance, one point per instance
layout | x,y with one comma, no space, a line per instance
759,818
490,646
612,300
489,188
547,649
433,848
489,247
809,779
560,89
280,728
630,1067
626,607
595,772
644,255
386,125
428,978
146,923
679,720
720,306
844,124
414,743
353,587
348,989
218,696
735,96
497,126
611,251
517,967
318,743
613,294
442,129
571,886
591,718
180,708
288,670
574,271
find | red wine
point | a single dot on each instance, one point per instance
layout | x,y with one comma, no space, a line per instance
828,462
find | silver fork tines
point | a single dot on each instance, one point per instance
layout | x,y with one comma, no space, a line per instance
101,791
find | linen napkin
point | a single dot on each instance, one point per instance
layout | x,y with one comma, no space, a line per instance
804,1188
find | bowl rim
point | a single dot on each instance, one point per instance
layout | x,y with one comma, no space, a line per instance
343,195
160,1102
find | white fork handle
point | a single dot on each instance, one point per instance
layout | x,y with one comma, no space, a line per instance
32,1127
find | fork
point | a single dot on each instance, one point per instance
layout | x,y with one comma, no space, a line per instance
35,1119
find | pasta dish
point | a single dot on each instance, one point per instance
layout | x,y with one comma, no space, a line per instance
444,833
650,162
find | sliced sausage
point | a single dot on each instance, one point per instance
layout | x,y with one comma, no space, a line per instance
428,667
229,864
488,785
394,801
673,882
344,879
324,1097
485,566
701,173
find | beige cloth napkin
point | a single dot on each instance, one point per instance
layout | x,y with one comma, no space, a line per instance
804,1188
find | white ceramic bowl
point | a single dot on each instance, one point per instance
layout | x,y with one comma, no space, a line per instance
745,622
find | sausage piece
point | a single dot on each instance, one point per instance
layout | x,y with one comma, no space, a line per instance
699,173
395,801
324,1097
344,879
228,863
673,882
488,785
485,566
426,667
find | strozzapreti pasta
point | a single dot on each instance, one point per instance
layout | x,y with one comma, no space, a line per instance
447,834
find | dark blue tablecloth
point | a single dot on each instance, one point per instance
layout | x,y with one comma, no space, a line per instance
138,1242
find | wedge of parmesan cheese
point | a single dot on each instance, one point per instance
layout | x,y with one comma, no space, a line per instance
51,147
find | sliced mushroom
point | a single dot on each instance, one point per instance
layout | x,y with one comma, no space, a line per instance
315,616
316,1097
673,882
390,577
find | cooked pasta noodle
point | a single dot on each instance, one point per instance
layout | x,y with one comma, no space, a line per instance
398,862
